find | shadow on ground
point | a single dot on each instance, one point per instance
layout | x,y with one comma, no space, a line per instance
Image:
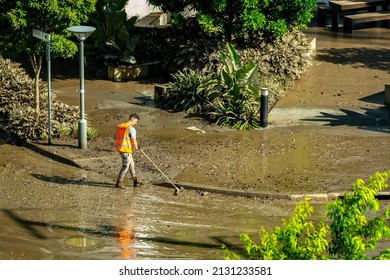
378,59
67,181
377,119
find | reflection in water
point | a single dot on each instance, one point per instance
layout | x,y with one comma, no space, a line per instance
124,230
80,242
125,238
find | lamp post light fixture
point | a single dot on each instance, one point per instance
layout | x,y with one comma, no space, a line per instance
82,33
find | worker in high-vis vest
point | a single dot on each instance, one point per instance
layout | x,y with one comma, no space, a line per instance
125,141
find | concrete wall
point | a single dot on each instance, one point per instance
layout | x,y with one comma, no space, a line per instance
139,8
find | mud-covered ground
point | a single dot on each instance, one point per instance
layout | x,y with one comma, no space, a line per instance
277,160
329,129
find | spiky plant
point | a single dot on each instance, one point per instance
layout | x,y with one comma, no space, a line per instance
237,105
188,92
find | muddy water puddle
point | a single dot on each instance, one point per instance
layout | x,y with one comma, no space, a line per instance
147,223
50,210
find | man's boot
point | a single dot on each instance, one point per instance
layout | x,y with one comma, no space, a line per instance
137,182
119,184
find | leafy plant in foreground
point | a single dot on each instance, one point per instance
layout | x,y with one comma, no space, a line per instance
353,231
298,240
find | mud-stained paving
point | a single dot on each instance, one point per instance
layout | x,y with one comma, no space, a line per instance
43,217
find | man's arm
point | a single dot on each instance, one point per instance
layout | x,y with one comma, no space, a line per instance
134,143
133,138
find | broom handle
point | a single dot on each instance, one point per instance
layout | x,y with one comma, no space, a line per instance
166,177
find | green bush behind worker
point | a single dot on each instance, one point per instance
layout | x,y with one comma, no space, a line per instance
125,141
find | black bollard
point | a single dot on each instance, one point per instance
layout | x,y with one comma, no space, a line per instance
264,107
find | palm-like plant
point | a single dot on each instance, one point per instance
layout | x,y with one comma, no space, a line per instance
237,114
237,79
237,103
113,37
188,92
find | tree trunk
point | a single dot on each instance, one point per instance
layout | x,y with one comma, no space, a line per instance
36,63
229,22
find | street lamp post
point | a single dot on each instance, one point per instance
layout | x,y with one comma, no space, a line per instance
82,33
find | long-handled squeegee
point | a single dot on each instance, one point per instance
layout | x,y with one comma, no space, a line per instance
177,189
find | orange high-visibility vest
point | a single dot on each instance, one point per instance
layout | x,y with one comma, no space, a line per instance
122,138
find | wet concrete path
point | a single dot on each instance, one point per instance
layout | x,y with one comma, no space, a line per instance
100,222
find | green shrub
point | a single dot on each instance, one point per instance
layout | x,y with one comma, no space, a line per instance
280,62
244,19
64,129
72,129
189,52
355,227
92,133
297,240
187,92
230,99
16,87
354,233
20,119
237,103
26,124
114,41
237,114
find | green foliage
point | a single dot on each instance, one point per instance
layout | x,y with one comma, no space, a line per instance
237,105
22,121
297,240
15,86
230,99
176,49
384,255
25,124
237,114
236,78
354,229
188,53
279,62
244,18
353,233
241,72
92,133
113,38
19,18
188,92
